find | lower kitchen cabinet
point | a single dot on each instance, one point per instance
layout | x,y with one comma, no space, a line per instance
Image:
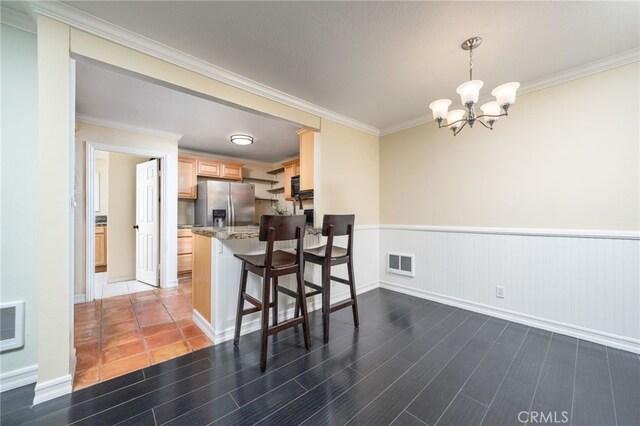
101,248
185,251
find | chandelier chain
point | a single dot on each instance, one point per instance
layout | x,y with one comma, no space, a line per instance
470,64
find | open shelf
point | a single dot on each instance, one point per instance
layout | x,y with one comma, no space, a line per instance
276,171
276,190
259,180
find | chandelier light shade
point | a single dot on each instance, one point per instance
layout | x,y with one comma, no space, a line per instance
242,139
440,108
469,92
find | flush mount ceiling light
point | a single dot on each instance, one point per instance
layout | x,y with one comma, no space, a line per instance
242,139
469,92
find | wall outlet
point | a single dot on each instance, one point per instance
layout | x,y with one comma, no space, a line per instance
500,292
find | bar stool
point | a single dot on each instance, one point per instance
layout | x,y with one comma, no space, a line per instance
328,256
271,265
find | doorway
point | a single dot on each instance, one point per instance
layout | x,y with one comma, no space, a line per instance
126,215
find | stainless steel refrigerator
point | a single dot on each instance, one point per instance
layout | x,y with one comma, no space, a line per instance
236,201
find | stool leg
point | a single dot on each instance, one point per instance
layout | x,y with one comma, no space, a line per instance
243,289
302,301
352,287
274,310
326,298
266,285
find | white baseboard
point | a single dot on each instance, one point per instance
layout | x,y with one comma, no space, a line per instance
615,341
121,279
51,389
17,378
220,336
171,284
79,298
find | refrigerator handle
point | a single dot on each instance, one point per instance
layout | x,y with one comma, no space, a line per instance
229,215
233,212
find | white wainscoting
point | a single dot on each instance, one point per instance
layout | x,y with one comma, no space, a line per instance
583,284
226,276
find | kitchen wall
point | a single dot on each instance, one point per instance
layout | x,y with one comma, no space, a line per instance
102,168
19,187
347,174
547,206
121,237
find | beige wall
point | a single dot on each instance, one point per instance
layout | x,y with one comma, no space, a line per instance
346,173
121,237
102,168
566,157
119,139
54,228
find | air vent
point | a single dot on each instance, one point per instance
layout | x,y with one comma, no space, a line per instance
402,264
11,325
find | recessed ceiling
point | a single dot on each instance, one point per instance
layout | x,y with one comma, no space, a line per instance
382,62
105,94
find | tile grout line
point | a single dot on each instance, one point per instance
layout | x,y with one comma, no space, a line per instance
232,398
613,397
505,375
575,373
533,398
405,411
471,374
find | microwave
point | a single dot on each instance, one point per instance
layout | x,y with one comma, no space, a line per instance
295,189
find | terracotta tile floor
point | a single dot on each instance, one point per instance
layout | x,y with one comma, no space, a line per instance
120,334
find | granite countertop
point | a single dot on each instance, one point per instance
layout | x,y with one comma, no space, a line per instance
189,226
240,232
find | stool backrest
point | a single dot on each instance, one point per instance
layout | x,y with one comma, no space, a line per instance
342,224
285,227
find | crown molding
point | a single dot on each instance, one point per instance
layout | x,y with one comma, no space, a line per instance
17,20
581,71
88,119
99,27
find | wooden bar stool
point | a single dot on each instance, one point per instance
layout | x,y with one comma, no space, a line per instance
271,265
328,256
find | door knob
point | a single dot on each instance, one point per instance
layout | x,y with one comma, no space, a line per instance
135,227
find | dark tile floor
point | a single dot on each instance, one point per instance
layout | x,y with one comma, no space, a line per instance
412,362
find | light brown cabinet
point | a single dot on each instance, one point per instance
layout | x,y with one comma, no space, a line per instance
101,247
291,169
185,251
307,141
231,171
187,180
208,168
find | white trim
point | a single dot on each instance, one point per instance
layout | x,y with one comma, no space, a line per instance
366,227
17,378
79,298
172,284
535,232
122,279
17,20
616,341
94,25
254,325
51,389
88,119
575,73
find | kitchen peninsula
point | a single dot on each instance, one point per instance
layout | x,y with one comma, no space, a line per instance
216,277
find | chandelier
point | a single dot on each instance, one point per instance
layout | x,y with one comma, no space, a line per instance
469,92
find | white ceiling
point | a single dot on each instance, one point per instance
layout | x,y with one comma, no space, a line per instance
382,62
105,94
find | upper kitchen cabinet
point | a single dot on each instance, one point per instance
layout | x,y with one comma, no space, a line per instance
291,169
187,181
210,167
307,139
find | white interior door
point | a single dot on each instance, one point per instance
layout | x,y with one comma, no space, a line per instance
147,222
